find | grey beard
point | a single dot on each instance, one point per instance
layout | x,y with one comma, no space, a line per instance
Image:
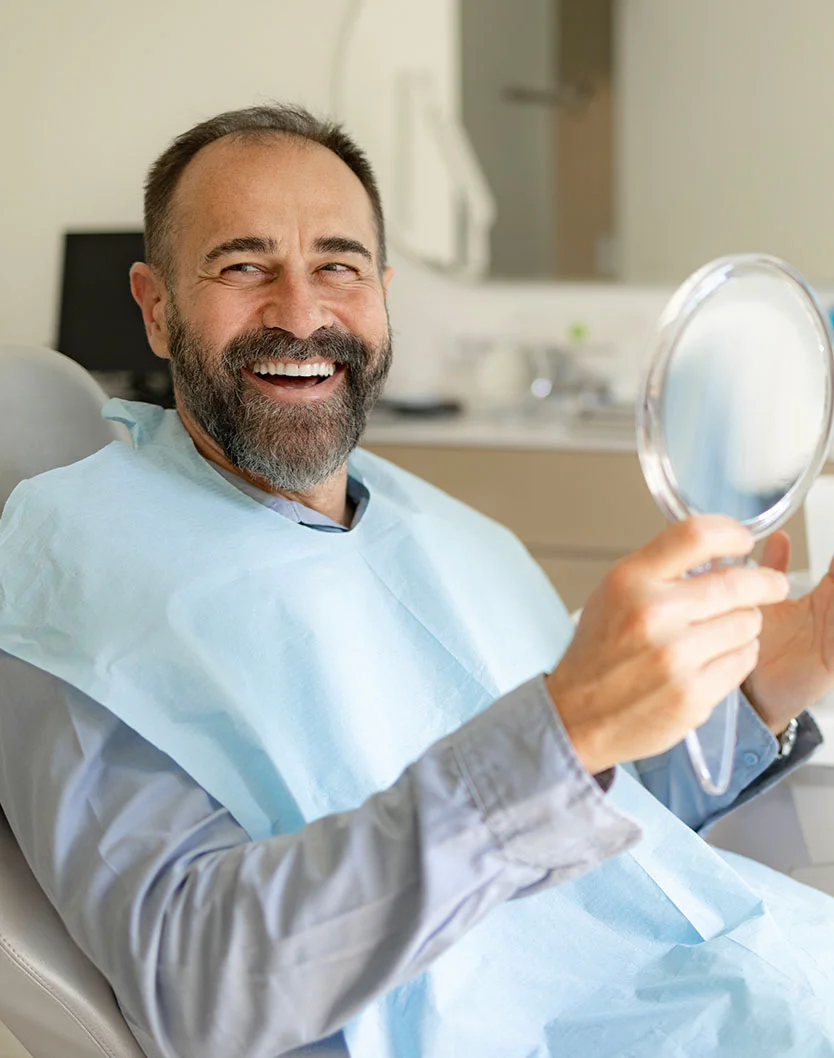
292,447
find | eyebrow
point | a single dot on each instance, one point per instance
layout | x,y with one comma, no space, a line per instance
339,244
267,245
242,244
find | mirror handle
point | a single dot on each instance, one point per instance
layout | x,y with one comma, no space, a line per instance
720,784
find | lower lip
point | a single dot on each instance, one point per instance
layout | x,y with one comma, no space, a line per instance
292,395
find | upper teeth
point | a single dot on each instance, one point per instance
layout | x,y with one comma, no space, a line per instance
277,367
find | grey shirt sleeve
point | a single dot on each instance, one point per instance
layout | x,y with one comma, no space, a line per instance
215,944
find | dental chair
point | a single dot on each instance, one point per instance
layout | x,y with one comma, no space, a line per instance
52,998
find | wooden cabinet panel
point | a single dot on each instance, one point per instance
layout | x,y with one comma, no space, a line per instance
573,578
592,501
576,511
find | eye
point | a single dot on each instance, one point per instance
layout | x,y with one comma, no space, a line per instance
338,268
244,268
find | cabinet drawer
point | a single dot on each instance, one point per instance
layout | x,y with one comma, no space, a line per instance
594,501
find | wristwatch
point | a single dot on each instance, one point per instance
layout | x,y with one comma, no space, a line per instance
787,740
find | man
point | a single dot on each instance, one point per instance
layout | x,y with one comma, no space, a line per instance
288,767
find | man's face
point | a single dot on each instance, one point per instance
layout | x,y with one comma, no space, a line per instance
276,323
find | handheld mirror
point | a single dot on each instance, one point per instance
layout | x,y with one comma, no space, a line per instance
735,418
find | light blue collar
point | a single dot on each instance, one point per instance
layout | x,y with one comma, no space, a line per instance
297,512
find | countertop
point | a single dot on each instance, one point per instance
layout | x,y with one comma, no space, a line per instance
532,430
504,430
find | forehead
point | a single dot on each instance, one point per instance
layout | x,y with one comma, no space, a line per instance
279,186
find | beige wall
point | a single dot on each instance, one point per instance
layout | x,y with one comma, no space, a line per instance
725,133
92,90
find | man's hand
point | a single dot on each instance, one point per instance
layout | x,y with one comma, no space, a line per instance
656,651
796,658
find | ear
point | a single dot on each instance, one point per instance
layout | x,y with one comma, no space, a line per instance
151,295
387,276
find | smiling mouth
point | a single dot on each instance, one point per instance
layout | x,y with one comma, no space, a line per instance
289,374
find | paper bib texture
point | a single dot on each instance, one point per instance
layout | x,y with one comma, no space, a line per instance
294,673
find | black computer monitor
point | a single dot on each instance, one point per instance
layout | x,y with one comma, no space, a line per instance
100,323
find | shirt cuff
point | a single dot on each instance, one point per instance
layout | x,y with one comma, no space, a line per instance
767,766
540,804
757,766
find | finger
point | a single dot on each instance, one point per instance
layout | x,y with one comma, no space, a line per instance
722,591
689,544
777,552
715,681
702,644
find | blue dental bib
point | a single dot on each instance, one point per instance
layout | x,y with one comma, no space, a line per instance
294,673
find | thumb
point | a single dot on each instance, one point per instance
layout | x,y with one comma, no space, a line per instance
777,552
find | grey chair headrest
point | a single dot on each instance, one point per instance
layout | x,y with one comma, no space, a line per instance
49,414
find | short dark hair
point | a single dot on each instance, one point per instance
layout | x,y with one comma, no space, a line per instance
251,123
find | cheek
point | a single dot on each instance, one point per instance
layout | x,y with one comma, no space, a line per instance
220,319
364,315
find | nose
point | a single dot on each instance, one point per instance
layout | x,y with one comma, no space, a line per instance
294,306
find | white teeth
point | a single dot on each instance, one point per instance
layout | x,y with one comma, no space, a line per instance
277,367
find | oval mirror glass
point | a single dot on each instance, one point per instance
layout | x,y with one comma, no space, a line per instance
735,418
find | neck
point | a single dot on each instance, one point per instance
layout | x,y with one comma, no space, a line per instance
328,498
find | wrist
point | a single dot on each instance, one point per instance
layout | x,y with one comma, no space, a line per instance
776,725
582,727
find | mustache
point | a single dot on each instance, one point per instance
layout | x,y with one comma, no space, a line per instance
327,343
